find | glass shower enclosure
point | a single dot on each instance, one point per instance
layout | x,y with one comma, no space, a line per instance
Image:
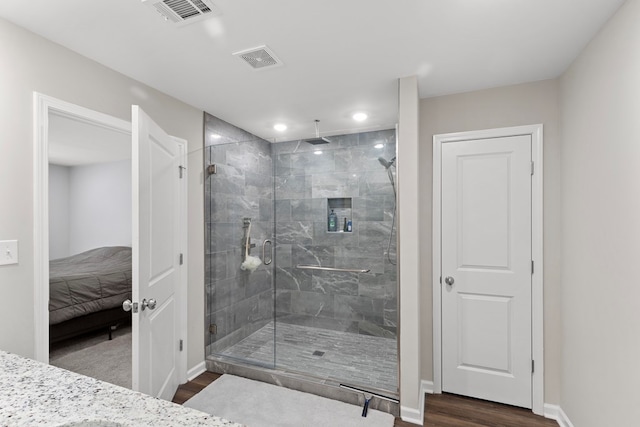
287,288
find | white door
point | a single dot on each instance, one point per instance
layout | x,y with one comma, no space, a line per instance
157,158
486,269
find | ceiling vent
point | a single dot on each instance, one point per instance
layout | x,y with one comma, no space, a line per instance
184,11
259,57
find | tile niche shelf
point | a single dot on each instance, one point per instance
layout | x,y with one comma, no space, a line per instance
342,207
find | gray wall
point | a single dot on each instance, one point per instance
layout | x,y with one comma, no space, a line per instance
409,196
98,207
517,105
59,177
600,110
239,301
40,65
347,168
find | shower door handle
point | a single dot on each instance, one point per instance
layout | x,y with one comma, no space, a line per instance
264,251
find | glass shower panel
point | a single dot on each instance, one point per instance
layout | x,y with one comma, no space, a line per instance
335,217
239,220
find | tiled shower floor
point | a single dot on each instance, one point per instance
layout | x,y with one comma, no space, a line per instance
340,357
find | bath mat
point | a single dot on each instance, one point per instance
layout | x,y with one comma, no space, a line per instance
258,404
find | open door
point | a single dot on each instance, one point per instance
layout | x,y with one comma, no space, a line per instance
157,258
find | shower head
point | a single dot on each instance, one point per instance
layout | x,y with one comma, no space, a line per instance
387,163
318,139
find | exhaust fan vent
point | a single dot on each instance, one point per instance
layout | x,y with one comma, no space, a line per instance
184,11
259,57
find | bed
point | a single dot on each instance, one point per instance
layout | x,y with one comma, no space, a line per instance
86,292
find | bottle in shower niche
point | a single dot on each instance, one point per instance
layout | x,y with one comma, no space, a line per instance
344,228
333,221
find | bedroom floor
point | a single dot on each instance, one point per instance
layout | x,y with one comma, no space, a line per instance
95,356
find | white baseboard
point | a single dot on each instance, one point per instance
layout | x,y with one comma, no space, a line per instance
416,416
426,387
196,370
411,415
555,412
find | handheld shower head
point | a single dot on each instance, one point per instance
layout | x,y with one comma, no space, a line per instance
387,163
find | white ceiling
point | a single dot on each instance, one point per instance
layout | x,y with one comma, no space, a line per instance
75,143
340,56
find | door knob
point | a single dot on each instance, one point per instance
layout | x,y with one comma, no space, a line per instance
127,305
449,280
150,304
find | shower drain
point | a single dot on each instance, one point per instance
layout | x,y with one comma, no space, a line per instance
318,353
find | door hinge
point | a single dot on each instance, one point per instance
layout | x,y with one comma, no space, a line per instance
532,167
181,259
533,366
180,169
213,328
532,267
181,345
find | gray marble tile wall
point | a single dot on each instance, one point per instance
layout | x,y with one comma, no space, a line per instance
239,302
348,167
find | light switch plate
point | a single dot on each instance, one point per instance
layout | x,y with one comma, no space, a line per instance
8,252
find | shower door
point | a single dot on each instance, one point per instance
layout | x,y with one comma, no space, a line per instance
238,210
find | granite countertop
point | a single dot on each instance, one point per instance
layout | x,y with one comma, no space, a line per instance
35,394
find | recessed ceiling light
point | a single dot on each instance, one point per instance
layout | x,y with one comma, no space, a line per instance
379,146
216,136
360,117
280,127
318,152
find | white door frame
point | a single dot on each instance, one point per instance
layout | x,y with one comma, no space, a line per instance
43,105
537,309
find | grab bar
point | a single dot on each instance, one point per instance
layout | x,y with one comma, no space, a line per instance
319,267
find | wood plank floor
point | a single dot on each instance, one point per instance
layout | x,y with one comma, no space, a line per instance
441,410
190,389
